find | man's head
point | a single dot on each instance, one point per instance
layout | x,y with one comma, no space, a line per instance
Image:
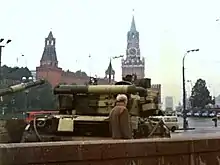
121,98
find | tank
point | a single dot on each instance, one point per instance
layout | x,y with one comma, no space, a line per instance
84,113
11,130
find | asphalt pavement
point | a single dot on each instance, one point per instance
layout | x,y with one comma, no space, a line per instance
204,127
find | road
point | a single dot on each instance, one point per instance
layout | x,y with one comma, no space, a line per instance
198,122
203,127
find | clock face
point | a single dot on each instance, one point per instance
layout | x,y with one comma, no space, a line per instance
132,51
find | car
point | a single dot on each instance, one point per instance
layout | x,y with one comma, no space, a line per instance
212,114
189,114
205,114
197,114
179,114
170,121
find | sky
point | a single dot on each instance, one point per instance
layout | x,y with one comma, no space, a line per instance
99,28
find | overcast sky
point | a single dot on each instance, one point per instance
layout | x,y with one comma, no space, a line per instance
99,27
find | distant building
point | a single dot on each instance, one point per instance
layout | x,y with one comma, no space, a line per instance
168,102
179,107
158,88
188,103
50,70
133,63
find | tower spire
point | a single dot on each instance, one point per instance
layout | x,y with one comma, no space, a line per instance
110,72
133,27
49,56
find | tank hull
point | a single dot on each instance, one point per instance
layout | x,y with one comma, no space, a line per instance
84,127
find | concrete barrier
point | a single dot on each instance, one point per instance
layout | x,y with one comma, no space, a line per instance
196,151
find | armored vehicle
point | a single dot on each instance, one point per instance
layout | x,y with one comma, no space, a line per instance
11,130
84,112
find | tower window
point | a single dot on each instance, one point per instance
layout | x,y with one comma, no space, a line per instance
52,42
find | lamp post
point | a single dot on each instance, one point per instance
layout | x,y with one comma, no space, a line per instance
1,47
90,65
110,68
184,88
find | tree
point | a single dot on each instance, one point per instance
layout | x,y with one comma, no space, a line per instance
200,95
15,73
42,97
12,76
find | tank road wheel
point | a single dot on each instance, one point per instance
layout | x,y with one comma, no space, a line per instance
173,129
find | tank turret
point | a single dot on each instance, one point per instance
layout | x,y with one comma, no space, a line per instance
20,87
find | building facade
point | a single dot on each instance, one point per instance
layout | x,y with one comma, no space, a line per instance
217,101
168,102
50,70
133,63
33,73
158,88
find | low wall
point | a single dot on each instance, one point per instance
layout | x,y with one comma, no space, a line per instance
182,151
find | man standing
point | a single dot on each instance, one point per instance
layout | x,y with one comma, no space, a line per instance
120,122
215,120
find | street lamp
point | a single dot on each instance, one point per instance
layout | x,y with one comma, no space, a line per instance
184,88
110,68
2,46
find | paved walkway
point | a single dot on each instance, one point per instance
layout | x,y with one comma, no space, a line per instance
208,131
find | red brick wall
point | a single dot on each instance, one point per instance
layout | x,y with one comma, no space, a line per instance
56,76
77,80
53,75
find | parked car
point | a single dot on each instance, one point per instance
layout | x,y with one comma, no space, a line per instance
205,114
189,114
212,114
218,115
179,114
171,121
197,114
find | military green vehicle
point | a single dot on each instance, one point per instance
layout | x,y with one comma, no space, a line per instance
84,113
11,130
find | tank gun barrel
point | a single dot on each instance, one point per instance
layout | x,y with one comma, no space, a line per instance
20,87
95,89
